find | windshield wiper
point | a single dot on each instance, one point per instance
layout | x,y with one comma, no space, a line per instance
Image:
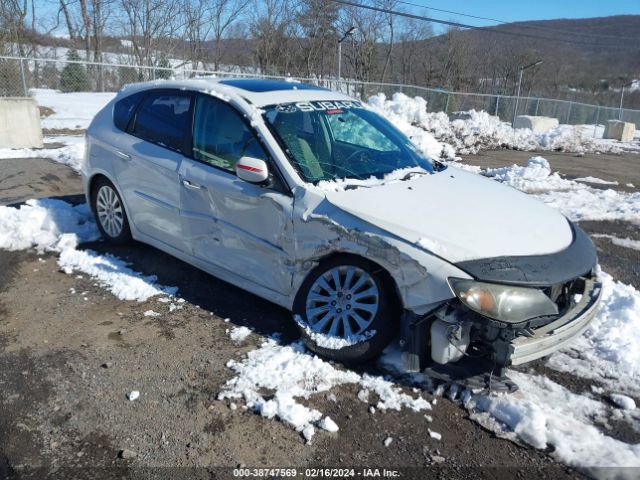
410,174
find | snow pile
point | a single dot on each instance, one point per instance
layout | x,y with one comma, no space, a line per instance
435,134
609,351
574,199
239,334
50,225
409,116
289,373
70,110
71,153
544,413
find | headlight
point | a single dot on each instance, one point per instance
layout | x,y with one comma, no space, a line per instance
503,302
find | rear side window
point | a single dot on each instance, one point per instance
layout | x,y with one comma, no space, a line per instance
164,119
123,109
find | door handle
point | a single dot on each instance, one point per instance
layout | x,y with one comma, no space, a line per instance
192,186
122,155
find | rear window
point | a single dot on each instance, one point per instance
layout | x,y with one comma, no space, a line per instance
164,119
123,109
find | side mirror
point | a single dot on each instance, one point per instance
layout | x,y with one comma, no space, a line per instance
252,170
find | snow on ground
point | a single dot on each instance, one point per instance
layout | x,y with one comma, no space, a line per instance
541,413
609,351
285,374
595,180
621,242
71,110
545,413
576,200
50,225
71,153
439,137
239,334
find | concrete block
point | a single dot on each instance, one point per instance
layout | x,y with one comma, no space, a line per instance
619,130
20,123
537,124
459,116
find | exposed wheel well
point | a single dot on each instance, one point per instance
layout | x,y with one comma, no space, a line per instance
377,269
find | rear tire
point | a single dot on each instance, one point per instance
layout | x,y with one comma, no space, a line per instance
345,310
109,211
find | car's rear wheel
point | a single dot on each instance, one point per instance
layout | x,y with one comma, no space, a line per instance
345,310
110,214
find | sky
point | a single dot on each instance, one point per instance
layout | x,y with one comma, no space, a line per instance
518,10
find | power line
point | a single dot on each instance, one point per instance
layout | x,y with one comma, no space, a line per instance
504,22
473,27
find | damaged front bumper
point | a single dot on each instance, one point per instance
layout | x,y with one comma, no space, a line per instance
555,335
493,346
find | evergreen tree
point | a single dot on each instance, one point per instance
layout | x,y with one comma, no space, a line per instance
162,72
74,76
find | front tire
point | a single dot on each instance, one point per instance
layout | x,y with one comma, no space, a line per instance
345,310
110,214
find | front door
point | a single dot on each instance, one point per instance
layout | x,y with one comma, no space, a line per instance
227,222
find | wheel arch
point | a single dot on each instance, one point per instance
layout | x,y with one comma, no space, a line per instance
377,269
91,183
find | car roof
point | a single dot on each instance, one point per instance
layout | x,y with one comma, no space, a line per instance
258,92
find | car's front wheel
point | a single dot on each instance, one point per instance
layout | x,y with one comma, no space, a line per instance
345,310
109,212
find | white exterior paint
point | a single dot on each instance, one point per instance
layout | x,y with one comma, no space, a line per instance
266,241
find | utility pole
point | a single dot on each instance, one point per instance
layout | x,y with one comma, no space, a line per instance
348,33
622,98
522,69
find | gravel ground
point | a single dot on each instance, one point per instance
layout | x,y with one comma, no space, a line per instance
68,360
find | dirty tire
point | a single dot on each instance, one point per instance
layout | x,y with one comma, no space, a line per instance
383,323
116,229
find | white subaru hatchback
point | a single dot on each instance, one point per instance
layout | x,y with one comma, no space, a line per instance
307,198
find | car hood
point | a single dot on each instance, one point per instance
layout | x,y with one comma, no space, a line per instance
459,216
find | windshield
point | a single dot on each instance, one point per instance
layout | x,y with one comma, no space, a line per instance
341,139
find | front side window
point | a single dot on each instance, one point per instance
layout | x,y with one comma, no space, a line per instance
164,119
220,136
341,139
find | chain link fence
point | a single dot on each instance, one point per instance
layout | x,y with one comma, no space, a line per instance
19,75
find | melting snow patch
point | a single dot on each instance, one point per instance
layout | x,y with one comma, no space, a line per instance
239,334
575,200
50,225
544,413
290,373
151,313
622,401
328,424
595,180
621,242
609,351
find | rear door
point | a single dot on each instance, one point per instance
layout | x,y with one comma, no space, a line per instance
228,223
152,155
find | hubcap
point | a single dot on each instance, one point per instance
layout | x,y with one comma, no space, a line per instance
109,211
342,302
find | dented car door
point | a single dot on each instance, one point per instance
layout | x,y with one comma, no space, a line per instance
228,223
